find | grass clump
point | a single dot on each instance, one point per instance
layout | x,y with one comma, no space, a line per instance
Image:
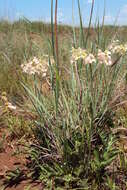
75,146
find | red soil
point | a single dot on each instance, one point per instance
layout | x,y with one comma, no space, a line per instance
9,160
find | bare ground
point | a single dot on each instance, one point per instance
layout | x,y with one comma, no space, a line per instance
10,160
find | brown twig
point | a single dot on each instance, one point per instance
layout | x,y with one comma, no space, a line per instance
116,61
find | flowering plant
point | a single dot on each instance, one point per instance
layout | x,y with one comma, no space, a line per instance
74,139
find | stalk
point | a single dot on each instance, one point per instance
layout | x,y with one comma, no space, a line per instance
73,27
81,41
56,36
57,59
91,14
52,28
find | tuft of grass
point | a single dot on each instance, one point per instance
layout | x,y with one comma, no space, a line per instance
75,146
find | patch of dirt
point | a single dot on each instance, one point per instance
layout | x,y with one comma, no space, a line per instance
12,159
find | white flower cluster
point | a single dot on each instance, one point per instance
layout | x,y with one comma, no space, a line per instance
10,106
104,57
90,59
37,66
79,53
117,48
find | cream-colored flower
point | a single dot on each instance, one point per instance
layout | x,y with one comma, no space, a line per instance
116,48
37,66
77,54
108,61
101,56
113,44
120,49
7,104
104,57
10,106
90,59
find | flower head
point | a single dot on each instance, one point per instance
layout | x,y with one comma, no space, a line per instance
117,48
90,59
10,106
78,54
37,66
120,49
113,44
104,57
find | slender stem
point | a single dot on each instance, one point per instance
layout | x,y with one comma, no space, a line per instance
56,36
91,14
78,78
52,28
82,43
57,60
73,27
